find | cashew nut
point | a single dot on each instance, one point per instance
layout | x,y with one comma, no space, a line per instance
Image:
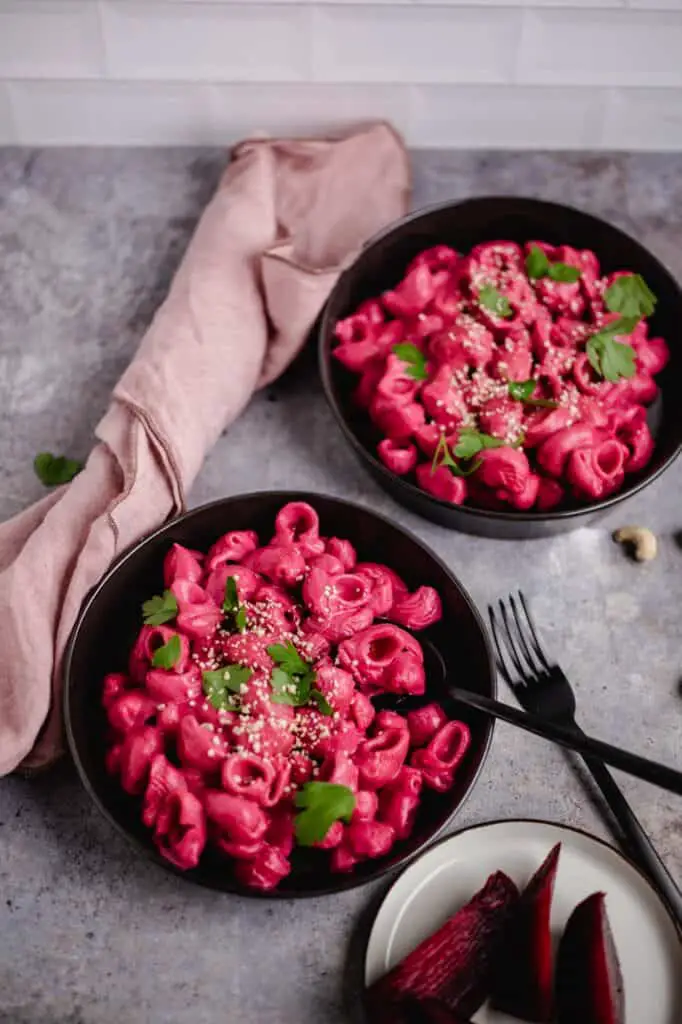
640,541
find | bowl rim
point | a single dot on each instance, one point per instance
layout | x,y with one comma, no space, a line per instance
415,492
345,881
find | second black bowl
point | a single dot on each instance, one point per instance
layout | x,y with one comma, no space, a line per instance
462,225
110,621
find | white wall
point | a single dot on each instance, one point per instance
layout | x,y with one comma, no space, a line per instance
487,73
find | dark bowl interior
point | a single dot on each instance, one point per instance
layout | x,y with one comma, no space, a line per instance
110,620
382,263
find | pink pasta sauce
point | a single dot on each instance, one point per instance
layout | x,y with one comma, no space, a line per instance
245,720
510,378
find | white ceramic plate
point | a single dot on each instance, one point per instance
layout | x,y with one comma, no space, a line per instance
443,879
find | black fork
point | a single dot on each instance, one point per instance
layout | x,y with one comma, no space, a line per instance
541,687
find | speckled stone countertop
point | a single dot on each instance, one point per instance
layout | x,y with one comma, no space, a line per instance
88,935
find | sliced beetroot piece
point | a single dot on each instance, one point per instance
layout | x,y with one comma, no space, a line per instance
453,965
522,983
589,984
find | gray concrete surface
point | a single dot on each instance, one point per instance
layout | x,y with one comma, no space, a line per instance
88,935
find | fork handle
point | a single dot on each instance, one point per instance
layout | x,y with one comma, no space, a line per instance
635,839
651,771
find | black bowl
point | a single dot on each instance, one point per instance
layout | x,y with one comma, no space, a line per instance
461,225
110,620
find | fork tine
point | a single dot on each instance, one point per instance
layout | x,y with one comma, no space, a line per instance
501,661
511,646
532,662
537,646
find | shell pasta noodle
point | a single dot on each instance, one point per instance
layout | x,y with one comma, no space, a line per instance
511,377
245,723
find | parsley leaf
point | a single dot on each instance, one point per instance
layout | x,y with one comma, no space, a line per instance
231,599
471,441
618,360
288,657
565,273
158,610
610,358
292,690
221,682
292,682
415,359
53,470
218,697
323,705
522,391
495,301
537,264
321,803
442,457
630,296
231,606
168,654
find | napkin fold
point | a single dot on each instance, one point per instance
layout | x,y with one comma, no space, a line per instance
287,216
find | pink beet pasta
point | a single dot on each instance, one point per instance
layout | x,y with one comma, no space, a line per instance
246,710
513,377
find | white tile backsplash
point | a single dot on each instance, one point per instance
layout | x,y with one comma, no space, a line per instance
656,5
524,117
206,41
50,39
8,133
601,47
465,73
653,117
298,108
368,43
112,113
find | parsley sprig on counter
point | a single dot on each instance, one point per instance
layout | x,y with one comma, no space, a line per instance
53,470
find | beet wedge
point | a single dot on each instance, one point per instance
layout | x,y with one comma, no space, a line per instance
589,984
523,983
452,966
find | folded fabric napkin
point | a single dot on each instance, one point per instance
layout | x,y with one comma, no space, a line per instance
287,216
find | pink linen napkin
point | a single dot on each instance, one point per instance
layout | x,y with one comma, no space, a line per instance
287,216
